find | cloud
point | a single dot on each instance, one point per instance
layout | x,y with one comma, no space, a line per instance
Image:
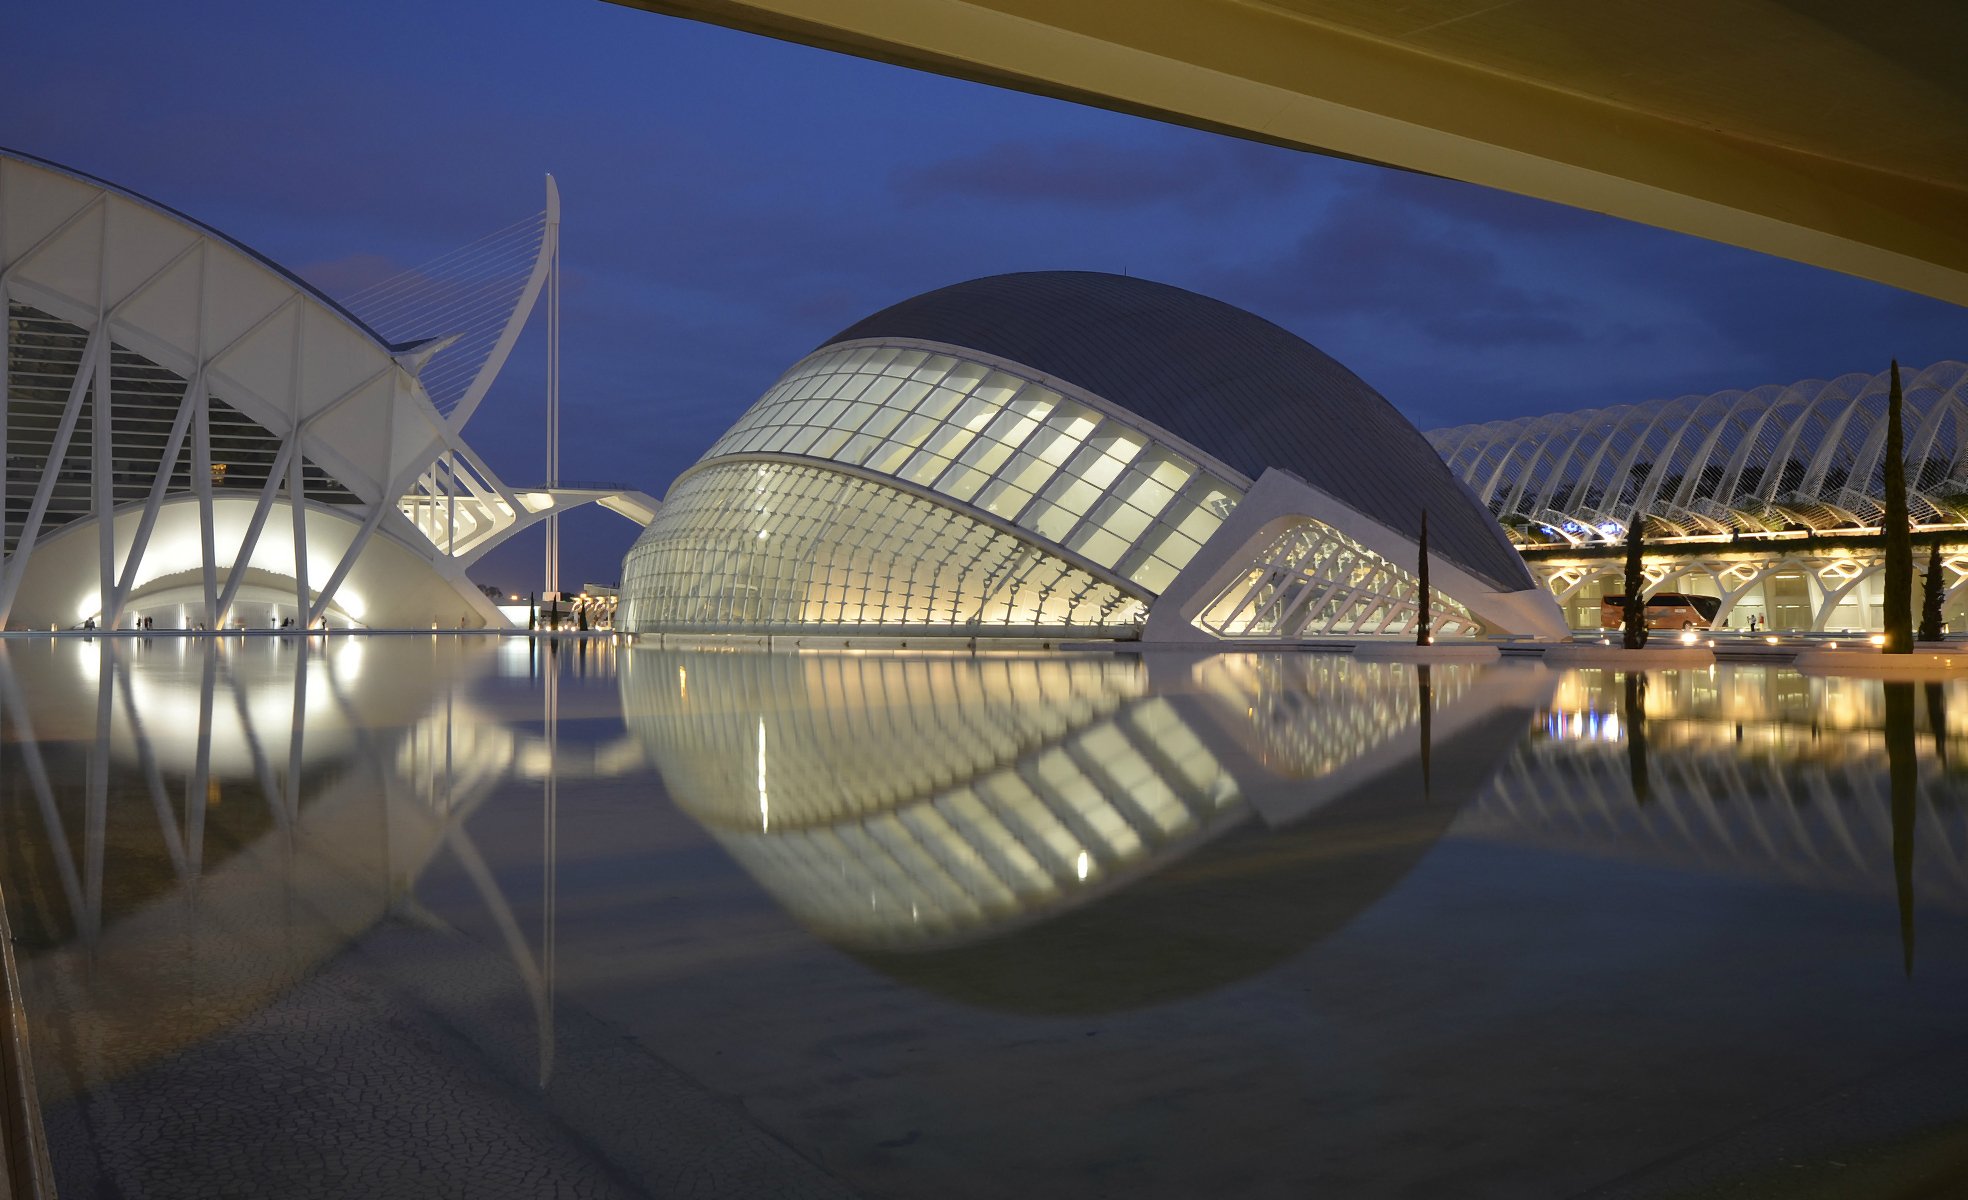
1385,261
1102,175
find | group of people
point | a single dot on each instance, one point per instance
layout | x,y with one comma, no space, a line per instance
146,624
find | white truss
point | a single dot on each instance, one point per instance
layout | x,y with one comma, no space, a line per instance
1807,455
1313,580
221,425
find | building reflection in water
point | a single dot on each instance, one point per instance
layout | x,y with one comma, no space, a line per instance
191,826
1823,782
988,825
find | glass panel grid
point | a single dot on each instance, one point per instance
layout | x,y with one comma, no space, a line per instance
1013,448
772,546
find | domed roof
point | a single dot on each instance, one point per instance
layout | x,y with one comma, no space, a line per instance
1225,380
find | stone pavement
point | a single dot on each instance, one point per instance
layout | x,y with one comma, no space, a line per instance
353,1085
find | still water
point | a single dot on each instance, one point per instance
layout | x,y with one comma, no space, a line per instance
447,916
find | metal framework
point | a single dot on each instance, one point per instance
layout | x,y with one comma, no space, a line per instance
234,437
1314,580
1806,456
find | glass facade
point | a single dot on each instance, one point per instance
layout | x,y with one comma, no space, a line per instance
1314,580
779,546
42,356
1079,478
1024,785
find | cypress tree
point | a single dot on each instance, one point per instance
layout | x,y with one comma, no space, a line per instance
1634,627
1897,529
1931,593
1424,630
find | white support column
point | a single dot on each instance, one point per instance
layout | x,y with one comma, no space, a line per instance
297,488
201,483
102,473
254,528
297,502
154,502
386,502
16,566
553,392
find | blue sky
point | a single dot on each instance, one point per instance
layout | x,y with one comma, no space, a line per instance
730,202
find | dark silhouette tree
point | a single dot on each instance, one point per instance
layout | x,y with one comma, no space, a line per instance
1932,592
1424,628
1634,625
1897,528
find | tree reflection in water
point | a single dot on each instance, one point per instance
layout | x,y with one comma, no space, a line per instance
1904,776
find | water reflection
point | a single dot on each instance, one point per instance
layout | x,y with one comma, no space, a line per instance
1379,858
191,826
987,825
1747,770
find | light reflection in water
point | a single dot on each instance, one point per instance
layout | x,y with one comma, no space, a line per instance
194,824
930,801
191,828
1832,783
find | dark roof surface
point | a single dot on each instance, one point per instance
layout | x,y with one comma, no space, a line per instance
1225,380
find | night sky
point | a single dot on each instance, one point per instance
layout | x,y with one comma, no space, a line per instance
730,202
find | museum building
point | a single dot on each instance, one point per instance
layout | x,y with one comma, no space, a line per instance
1768,499
1069,453
196,437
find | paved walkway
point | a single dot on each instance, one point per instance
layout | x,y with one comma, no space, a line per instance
350,1085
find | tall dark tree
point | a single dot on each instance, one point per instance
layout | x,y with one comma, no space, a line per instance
1425,628
1634,625
1897,528
1932,592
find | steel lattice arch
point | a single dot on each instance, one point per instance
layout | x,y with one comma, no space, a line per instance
1769,498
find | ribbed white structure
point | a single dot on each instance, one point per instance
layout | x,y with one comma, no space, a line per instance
195,436
1803,456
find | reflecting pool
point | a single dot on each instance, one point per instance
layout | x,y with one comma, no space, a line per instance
466,916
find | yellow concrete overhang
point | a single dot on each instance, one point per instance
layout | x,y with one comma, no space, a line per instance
1831,133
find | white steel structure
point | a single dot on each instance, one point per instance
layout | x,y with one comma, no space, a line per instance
1807,456
1769,499
196,436
1071,453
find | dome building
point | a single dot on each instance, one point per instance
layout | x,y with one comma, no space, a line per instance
1072,453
